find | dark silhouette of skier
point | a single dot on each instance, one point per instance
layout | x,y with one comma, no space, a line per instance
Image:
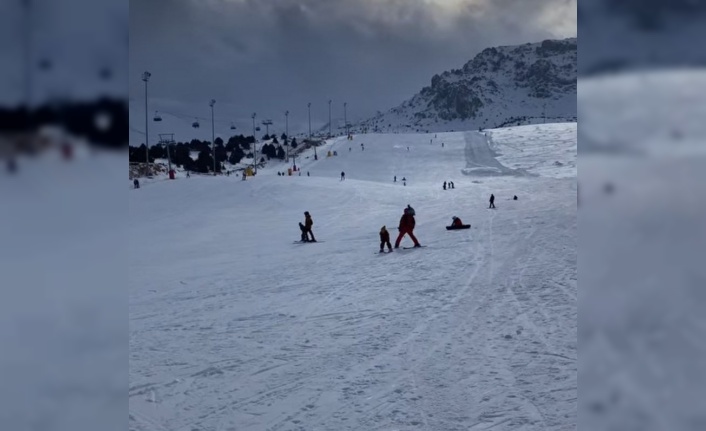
343,176
492,201
444,185
136,184
385,240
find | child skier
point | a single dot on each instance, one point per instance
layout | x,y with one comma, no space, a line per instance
304,236
385,240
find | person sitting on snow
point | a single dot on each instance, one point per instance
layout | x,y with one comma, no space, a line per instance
456,222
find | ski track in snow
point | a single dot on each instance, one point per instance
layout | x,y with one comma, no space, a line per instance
234,327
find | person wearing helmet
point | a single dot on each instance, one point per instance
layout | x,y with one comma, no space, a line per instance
406,226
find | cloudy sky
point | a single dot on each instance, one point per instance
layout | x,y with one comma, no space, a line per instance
268,56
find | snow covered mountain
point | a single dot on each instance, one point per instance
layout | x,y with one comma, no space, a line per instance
507,85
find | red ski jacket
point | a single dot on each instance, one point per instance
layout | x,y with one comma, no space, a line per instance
407,223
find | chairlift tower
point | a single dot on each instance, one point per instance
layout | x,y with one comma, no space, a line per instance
167,139
254,143
267,124
146,77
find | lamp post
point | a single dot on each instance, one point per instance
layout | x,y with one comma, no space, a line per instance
254,143
146,77
329,118
345,118
286,132
213,136
309,106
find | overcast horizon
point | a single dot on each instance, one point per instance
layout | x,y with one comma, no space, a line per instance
268,56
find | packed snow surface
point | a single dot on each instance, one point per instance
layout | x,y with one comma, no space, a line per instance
233,326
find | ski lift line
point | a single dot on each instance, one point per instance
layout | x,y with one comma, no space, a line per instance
190,117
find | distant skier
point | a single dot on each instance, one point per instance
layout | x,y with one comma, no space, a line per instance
243,175
444,185
395,180
406,227
188,175
408,149
385,239
307,174
442,145
514,198
343,176
362,147
308,223
302,228
453,186
136,184
492,201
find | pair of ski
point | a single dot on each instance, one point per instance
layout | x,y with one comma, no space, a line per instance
403,248
307,242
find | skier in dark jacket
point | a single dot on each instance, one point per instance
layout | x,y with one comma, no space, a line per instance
385,239
492,201
303,229
308,223
406,226
136,184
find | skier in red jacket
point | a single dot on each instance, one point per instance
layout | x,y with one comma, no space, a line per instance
407,227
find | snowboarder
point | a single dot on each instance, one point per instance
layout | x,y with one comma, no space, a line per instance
385,240
492,201
308,223
343,176
406,226
444,185
456,222
136,184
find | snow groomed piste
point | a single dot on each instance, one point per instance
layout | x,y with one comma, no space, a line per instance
234,327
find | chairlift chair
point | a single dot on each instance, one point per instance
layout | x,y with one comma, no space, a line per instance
232,126
195,124
156,116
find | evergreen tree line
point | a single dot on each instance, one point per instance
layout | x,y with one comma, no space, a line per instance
233,151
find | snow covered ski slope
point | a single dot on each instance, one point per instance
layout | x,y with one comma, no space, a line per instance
234,327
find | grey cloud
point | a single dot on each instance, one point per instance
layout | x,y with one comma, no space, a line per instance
269,55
